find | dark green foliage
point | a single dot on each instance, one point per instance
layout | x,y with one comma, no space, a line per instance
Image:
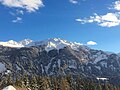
57,83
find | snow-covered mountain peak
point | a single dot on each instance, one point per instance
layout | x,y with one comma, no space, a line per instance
55,40
58,41
12,43
25,42
61,41
51,43
55,43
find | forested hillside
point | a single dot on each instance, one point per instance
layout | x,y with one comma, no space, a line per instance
58,83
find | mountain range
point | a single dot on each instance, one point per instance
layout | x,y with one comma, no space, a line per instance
56,57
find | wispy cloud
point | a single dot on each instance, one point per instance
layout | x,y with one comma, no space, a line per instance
28,5
91,43
17,20
106,20
73,1
21,12
17,13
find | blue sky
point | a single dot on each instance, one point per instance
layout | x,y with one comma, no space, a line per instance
74,20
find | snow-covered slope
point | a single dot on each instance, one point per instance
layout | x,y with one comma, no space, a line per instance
9,88
11,43
25,42
54,43
15,44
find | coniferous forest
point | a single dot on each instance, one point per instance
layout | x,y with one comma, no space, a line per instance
57,83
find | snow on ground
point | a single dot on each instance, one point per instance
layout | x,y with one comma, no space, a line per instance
102,78
18,68
7,72
2,67
9,88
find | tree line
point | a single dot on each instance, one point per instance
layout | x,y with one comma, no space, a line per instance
57,83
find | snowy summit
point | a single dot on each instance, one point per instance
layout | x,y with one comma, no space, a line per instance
53,43
12,43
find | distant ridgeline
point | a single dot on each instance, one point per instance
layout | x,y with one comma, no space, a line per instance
59,63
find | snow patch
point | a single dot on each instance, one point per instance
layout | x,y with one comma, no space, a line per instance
98,67
7,72
102,78
42,69
18,68
2,67
59,63
9,88
48,66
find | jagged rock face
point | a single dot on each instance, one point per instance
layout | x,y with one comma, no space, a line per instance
35,60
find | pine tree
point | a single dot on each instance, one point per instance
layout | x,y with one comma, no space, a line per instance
64,84
99,87
79,85
18,82
43,84
9,80
33,83
71,82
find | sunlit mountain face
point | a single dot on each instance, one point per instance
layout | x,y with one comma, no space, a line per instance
58,57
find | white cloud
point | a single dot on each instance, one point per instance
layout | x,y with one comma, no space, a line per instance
107,20
18,19
73,1
116,5
91,43
29,5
